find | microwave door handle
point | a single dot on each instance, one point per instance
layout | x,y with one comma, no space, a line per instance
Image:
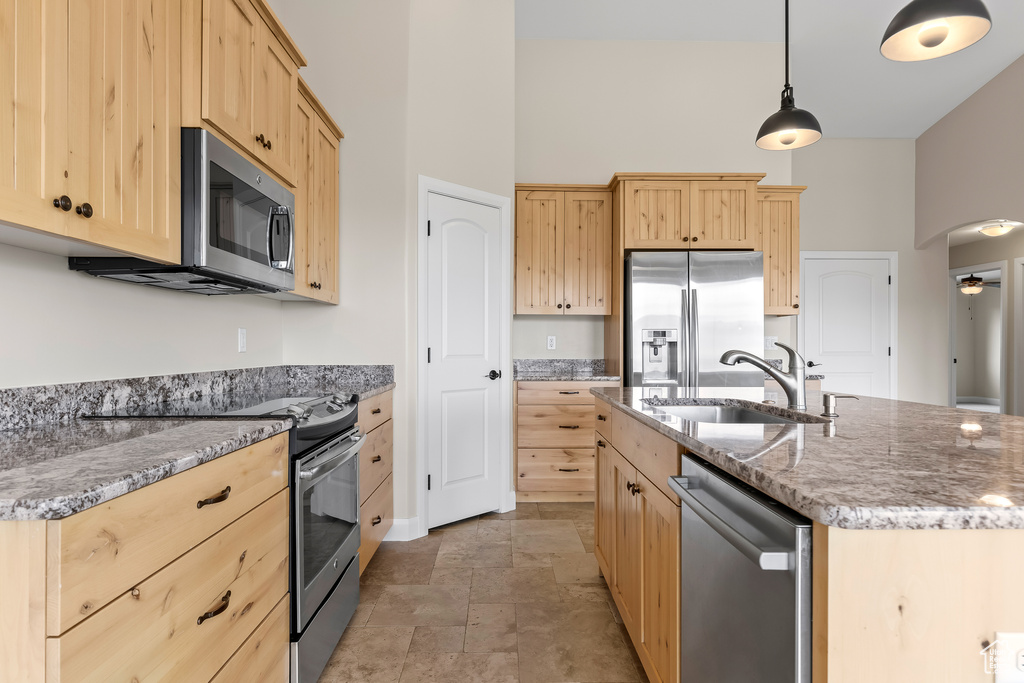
277,264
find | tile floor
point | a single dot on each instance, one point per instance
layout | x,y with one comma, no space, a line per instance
495,599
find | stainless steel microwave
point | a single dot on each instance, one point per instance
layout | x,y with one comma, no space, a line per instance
237,228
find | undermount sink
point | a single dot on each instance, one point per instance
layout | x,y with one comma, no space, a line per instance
724,414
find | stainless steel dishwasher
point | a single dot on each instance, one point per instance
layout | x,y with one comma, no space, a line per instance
745,590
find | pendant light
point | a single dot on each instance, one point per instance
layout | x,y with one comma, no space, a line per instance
971,285
926,29
788,128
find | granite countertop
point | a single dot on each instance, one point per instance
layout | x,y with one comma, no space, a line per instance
54,470
561,370
888,465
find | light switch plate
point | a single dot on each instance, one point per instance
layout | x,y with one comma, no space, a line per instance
769,343
1008,661
241,340
551,342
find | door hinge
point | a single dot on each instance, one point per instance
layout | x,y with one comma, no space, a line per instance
954,361
428,228
428,354
890,279
890,350
428,482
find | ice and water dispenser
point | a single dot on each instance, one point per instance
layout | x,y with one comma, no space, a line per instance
660,356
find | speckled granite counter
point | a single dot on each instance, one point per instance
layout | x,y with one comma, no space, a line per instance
560,370
890,464
55,470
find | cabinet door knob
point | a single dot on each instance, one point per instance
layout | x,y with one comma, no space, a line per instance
568,306
558,306
262,140
600,443
796,305
602,418
686,238
376,458
63,202
375,411
85,210
694,239
376,520
269,144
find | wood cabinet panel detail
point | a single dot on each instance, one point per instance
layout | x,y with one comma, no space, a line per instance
555,426
374,411
376,517
540,252
587,271
376,459
724,215
657,214
275,93
779,209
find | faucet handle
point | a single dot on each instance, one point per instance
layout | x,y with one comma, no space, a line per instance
795,359
829,400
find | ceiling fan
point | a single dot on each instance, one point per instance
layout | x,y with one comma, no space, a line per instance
972,285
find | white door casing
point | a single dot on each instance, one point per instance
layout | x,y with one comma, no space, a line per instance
465,282
848,321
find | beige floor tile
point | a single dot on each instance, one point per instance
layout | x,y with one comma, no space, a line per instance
368,594
369,655
491,628
531,559
555,507
421,606
494,530
575,568
545,536
461,668
451,576
586,532
573,514
438,639
462,525
522,511
572,592
637,664
399,569
423,545
571,641
520,584
457,552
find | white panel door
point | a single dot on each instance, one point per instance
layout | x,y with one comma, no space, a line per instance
847,324
464,407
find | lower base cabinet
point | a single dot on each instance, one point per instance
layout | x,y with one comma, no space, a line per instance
376,487
264,656
637,547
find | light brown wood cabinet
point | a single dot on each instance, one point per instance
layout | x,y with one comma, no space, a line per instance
116,591
376,484
317,138
688,211
779,240
553,441
242,78
563,251
92,121
636,536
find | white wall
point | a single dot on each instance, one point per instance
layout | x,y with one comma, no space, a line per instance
576,336
860,197
62,326
419,87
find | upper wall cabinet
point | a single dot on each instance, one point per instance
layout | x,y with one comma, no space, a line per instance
688,211
563,251
779,207
241,78
316,140
92,121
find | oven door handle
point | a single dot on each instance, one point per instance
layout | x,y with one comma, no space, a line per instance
334,463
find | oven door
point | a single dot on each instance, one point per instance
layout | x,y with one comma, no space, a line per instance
237,220
326,521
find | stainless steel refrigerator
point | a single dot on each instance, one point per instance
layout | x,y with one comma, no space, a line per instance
684,309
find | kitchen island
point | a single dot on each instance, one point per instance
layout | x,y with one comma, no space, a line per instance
918,525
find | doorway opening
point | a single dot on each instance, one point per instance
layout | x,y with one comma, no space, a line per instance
978,336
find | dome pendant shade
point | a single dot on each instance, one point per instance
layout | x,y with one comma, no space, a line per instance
788,128
926,29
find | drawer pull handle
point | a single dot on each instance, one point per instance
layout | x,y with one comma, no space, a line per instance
219,498
568,426
569,393
212,613
376,520
376,458
602,418
375,411
600,443
564,469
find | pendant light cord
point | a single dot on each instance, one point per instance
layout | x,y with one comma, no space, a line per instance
787,44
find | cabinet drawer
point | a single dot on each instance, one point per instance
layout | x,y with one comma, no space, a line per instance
375,459
569,426
157,630
541,393
98,554
374,411
654,455
264,656
379,506
556,469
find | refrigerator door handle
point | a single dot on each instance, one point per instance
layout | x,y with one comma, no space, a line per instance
694,339
684,345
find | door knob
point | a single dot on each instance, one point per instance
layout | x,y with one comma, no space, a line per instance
812,364
85,210
63,202
493,374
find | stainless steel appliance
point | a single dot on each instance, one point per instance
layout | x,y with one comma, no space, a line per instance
684,309
237,228
324,444
745,581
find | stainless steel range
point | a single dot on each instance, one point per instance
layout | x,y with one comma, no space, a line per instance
324,444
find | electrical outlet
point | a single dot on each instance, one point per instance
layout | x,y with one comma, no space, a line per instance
551,342
769,343
1008,660
241,340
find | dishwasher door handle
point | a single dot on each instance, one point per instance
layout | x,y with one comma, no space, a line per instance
768,560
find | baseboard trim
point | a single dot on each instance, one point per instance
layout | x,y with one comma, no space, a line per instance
984,400
408,529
